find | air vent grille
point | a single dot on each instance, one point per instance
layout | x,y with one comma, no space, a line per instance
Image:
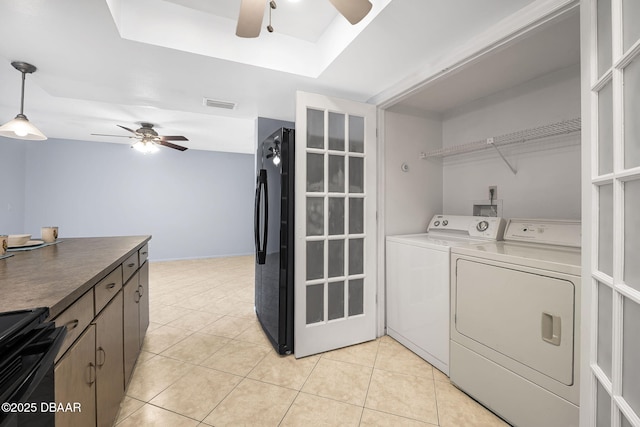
214,103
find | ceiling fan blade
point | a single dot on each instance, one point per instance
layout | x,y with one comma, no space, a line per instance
170,145
250,18
173,138
126,128
119,136
353,10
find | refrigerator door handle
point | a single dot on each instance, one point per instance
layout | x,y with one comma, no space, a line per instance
261,243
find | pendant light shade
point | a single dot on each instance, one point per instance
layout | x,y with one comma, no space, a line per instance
21,127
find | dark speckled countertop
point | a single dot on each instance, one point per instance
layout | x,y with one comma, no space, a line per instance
57,275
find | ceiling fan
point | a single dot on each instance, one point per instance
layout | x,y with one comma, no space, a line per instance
252,11
148,139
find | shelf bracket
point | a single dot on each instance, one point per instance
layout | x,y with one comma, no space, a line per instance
490,141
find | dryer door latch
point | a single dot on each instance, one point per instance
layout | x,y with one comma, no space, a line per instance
551,326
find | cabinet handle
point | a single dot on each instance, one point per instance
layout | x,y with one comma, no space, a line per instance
144,253
131,265
92,373
111,285
140,290
136,298
101,351
72,324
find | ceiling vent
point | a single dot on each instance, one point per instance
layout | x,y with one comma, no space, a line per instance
214,103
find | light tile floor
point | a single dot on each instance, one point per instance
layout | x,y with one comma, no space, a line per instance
206,362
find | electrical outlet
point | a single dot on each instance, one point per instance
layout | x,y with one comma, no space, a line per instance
493,192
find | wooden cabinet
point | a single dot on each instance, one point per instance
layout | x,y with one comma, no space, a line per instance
136,317
106,327
75,380
131,317
143,304
109,362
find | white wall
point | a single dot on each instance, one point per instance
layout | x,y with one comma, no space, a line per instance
413,197
194,203
547,183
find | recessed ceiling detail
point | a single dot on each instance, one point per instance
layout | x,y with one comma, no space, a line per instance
302,46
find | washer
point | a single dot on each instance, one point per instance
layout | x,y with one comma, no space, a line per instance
418,275
515,322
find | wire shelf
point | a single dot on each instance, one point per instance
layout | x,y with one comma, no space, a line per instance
534,134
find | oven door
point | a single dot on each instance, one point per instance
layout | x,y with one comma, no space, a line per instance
26,377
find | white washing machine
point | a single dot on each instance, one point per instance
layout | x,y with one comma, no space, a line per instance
515,322
417,284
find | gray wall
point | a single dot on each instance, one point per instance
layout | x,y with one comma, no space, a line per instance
12,184
547,183
196,204
413,197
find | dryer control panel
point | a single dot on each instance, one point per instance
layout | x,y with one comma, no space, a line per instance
544,231
490,228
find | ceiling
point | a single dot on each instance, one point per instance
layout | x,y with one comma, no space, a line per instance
107,62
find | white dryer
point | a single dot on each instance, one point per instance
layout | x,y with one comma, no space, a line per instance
417,298
515,322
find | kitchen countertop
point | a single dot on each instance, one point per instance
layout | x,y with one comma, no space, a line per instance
57,275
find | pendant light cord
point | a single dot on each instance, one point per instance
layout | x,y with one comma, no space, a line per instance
22,96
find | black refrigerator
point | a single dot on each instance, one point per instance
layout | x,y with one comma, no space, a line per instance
273,229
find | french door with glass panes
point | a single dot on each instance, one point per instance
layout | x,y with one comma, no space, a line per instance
611,394
335,269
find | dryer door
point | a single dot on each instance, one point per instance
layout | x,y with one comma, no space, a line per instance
527,316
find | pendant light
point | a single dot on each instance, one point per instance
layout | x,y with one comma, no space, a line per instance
21,127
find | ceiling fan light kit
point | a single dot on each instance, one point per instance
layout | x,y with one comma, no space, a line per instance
147,139
20,127
252,12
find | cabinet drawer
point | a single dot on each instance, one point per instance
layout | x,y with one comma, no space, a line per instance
129,266
143,254
107,288
75,318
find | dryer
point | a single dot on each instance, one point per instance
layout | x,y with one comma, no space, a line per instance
515,322
417,298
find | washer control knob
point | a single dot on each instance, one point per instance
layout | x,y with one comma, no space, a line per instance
437,223
482,226
445,222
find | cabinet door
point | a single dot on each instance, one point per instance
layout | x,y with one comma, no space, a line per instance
75,381
143,305
109,362
131,325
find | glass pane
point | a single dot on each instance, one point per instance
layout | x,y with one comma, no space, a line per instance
604,36
356,134
356,256
315,260
315,216
356,216
336,300
336,215
603,409
631,354
356,297
315,128
605,227
336,131
315,172
631,108
632,234
605,130
630,19
336,258
356,175
605,317
336,174
315,303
